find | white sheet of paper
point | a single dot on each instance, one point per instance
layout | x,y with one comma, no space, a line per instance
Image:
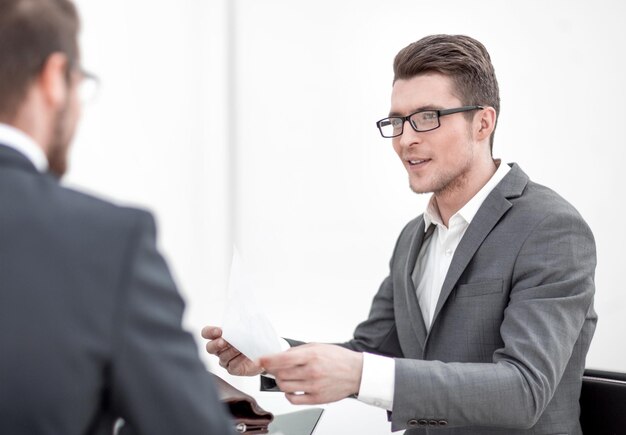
245,325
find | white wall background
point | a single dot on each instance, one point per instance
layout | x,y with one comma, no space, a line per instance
252,122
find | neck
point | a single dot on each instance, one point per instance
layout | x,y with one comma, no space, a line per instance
452,198
33,122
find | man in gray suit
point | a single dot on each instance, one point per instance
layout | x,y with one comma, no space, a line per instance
90,319
485,319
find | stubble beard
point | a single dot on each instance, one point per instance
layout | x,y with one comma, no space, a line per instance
59,144
448,182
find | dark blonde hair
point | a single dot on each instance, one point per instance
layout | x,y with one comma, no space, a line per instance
463,59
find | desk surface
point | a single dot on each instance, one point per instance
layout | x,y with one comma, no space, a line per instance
345,417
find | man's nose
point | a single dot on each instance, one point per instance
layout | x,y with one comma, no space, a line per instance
409,136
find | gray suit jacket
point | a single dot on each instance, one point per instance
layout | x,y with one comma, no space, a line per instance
506,350
90,319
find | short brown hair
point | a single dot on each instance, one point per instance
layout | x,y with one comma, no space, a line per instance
463,59
30,31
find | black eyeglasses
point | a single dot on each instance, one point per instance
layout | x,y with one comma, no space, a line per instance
422,120
88,87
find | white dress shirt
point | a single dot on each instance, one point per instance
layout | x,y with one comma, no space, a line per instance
435,256
24,144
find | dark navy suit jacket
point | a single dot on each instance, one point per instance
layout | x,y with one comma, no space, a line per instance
90,318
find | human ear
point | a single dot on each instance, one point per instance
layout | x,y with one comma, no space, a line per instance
52,79
485,123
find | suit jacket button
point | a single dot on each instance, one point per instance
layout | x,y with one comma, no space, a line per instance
432,422
412,422
423,422
443,422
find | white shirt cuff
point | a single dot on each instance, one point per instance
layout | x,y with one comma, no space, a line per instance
377,381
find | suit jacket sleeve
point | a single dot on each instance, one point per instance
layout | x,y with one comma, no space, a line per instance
551,295
159,385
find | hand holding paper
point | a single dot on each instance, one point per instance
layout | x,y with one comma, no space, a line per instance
230,358
246,333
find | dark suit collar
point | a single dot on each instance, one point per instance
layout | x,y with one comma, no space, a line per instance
11,157
514,183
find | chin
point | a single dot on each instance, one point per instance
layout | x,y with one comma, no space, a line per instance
420,184
419,189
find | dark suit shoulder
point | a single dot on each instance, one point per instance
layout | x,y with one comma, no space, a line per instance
78,235
82,217
75,205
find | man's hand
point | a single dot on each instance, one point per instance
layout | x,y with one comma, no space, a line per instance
231,359
323,372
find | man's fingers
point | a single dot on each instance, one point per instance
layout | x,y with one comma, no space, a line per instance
211,332
215,347
237,365
291,358
298,373
228,354
230,357
294,386
304,399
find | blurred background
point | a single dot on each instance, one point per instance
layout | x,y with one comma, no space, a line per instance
252,122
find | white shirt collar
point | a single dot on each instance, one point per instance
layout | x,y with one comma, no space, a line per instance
469,210
24,144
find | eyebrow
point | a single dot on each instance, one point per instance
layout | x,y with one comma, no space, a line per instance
419,109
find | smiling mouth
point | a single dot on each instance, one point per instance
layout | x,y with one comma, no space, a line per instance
418,162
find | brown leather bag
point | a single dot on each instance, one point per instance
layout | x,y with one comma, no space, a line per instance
249,417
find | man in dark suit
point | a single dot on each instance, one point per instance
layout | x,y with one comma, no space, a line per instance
486,317
90,318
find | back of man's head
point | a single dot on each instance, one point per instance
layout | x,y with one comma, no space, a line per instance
462,58
30,31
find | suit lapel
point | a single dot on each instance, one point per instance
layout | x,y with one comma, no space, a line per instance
488,215
415,314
